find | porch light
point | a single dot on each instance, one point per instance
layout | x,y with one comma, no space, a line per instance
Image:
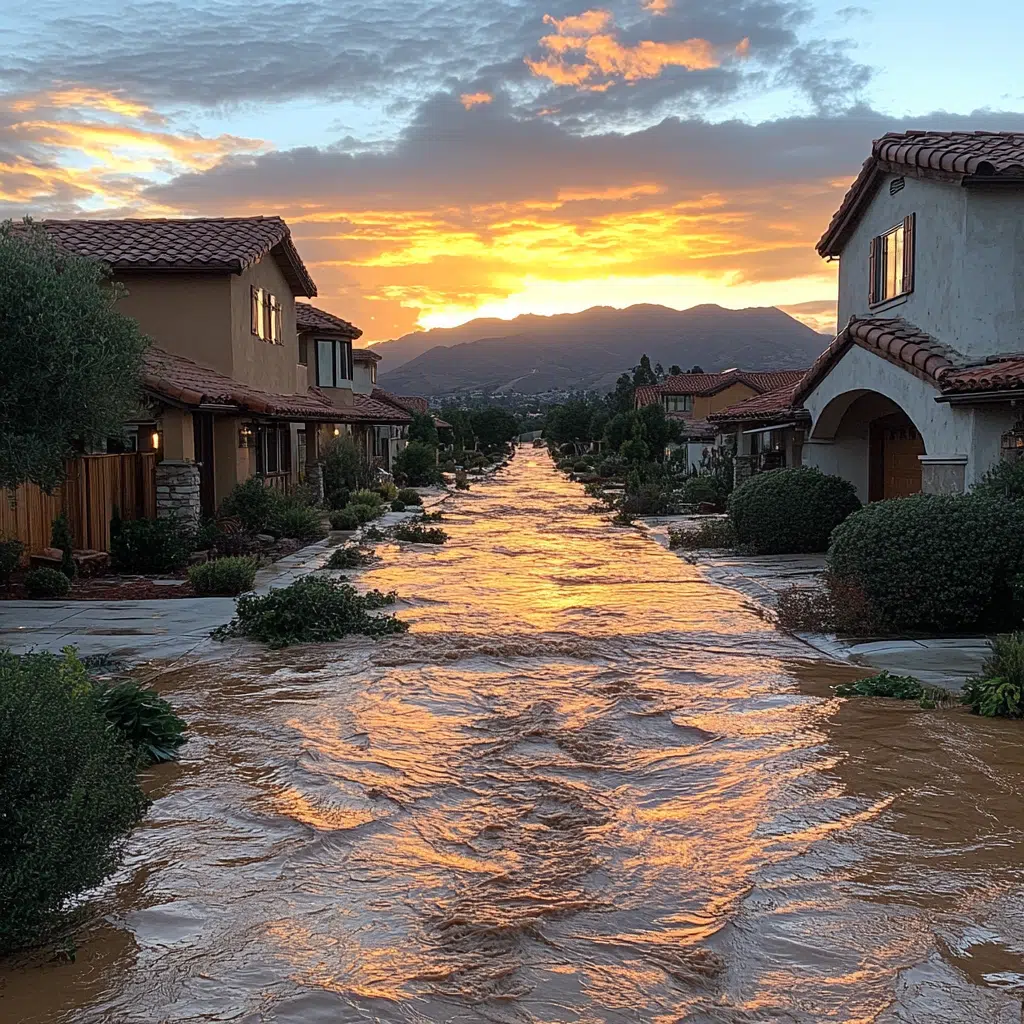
246,437
1013,440
156,440
337,431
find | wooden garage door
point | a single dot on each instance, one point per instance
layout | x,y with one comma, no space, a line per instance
901,447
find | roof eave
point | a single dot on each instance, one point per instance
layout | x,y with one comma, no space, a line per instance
294,270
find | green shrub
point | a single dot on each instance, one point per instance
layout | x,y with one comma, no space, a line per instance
388,491
373,533
397,506
68,794
462,485
338,498
999,691
897,688
416,464
254,504
414,533
407,496
936,563
143,719
709,533
1004,480
367,497
697,490
149,545
431,517
788,511
60,538
345,519
44,583
579,466
313,609
611,467
346,469
226,577
10,558
299,521
365,513
349,558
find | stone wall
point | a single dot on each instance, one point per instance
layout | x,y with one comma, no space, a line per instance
177,490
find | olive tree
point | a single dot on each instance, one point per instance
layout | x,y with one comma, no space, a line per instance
69,360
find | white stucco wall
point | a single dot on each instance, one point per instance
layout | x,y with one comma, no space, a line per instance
362,384
969,265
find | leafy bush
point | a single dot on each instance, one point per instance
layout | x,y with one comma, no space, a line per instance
226,577
345,519
934,562
407,496
397,506
579,466
611,467
338,499
999,691
416,464
231,539
346,469
431,517
838,606
349,558
254,504
373,533
149,545
648,491
462,485
10,558
1004,480
313,609
709,533
143,719
698,490
365,513
414,533
60,538
786,511
68,791
300,522
896,687
367,497
44,583
387,491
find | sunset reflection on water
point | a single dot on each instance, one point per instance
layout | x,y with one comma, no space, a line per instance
587,786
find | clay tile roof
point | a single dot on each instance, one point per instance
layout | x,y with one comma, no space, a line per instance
366,355
408,403
711,383
310,318
772,406
199,245
1003,375
949,156
182,380
368,409
892,338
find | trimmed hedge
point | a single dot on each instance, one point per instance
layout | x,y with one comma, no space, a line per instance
408,496
790,511
345,519
935,563
44,583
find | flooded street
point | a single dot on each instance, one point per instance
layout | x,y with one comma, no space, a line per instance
587,786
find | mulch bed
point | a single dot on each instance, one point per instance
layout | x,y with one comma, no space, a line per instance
108,588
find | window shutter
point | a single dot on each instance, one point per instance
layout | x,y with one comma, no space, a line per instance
254,310
908,252
873,261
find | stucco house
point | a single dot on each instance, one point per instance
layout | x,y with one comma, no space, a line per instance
922,389
240,379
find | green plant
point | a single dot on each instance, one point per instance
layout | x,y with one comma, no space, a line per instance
416,464
68,793
408,496
387,491
10,558
896,687
935,563
349,558
345,519
60,538
373,533
299,521
414,533
786,511
313,609
346,468
363,512
999,691
149,545
253,504
44,583
708,533
431,517
143,719
1004,480
338,498
697,490
397,506
227,577
367,497
462,485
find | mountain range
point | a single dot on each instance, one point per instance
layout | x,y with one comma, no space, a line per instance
587,351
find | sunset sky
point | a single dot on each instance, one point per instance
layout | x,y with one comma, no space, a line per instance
442,161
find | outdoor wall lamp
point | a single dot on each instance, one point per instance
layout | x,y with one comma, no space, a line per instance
337,431
246,437
156,440
1013,440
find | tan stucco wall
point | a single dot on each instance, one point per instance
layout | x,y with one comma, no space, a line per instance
231,464
704,405
187,314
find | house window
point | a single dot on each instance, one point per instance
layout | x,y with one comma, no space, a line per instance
333,363
373,373
266,316
891,264
273,449
678,403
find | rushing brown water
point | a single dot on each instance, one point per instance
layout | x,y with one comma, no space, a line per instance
586,787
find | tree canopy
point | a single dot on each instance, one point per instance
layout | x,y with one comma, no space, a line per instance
69,360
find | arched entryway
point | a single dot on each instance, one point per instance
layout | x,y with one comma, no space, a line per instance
895,450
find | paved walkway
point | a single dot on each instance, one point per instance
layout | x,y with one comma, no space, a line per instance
941,661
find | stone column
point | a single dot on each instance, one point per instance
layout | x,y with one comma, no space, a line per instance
313,469
741,469
943,474
177,490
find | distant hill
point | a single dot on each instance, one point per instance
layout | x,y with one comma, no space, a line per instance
588,350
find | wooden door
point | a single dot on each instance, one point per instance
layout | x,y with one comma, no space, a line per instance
901,447
202,429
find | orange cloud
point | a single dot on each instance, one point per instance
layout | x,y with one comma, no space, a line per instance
584,52
475,99
657,6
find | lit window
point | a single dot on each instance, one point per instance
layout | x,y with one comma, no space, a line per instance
259,316
891,270
373,373
275,327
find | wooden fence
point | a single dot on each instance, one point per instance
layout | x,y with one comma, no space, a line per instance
94,486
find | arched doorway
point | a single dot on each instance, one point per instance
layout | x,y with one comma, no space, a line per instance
895,464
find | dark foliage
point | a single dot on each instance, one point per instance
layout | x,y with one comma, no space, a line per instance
149,545
703,490
143,719
414,533
346,469
897,688
10,558
787,511
493,426
416,464
345,519
999,691
423,429
298,521
1004,480
349,558
253,504
46,583
224,577
407,496
709,533
60,538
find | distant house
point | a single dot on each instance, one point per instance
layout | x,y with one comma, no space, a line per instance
922,389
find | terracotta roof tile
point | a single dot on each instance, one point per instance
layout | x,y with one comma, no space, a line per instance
408,403
201,245
951,156
772,406
310,318
1003,375
366,355
703,384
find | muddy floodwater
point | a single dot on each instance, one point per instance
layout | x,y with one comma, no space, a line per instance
587,786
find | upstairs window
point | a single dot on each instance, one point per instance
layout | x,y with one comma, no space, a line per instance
333,363
891,264
266,316
678,403
373,372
